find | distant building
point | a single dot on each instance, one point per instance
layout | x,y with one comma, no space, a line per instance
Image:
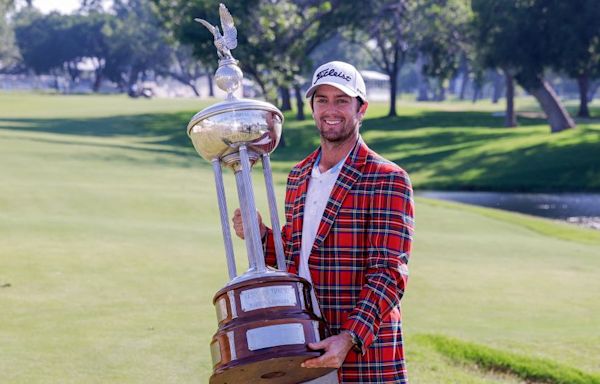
378,85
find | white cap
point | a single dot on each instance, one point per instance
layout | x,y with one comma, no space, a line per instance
340,75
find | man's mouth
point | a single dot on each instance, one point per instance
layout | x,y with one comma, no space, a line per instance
332,122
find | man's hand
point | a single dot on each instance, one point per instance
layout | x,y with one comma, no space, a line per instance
238,225
336,348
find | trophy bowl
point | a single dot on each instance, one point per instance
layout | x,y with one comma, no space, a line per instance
218,130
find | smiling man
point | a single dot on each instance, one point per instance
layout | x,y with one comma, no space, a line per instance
348,230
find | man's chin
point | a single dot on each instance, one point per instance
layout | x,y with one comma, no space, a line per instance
335,139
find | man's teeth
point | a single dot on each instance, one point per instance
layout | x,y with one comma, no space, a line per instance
333,121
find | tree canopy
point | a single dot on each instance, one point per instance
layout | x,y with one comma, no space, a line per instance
517,36
277,39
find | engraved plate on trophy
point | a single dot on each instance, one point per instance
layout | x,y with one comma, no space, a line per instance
267,297
215,352
275,335
221,307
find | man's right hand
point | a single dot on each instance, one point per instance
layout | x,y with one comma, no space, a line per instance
238,225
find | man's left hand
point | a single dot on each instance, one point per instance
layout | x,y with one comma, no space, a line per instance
336,348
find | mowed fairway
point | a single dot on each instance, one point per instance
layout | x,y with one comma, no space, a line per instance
111,251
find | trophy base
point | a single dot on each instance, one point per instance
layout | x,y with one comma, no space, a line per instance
265,323
276,370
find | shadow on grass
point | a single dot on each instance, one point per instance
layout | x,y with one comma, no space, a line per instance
161,133
301,137
445,119
544,167
445,145
164,128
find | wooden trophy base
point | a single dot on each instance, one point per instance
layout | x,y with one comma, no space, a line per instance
265,324
275,370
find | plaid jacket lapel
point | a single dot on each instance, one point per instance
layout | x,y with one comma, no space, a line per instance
299,198
349,174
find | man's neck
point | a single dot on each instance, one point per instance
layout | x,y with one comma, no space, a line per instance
333,153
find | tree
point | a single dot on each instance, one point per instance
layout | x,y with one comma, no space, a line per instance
443,38
386,34
56,43
516,36
9,54
274,38
45,41
184,67
577,52
136,43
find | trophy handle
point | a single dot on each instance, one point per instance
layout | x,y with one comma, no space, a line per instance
224,219
266,162
243,179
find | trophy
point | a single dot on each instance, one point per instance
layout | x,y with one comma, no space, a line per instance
265,316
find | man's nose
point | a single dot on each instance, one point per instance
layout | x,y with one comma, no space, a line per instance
329,107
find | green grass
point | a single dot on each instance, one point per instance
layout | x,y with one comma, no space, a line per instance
460,146
110,253
529,369
557,229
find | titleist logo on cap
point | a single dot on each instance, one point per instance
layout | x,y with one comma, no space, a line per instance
331,72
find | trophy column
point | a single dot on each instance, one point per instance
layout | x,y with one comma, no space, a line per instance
265,316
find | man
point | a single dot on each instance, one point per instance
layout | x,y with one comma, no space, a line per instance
348,230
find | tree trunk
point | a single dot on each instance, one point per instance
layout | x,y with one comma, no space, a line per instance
211,88
452,85
441,92
497,93
97,82
299,103
510,119
476,93
557,115
423,90
463,85
592,91
422,83
132,90
393,88
286,98
464,72
182,77
583,81
194,89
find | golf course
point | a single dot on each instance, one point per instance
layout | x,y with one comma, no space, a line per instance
111,247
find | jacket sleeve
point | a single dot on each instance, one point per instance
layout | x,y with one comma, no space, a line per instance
389,238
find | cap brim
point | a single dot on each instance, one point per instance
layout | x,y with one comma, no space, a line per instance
341,87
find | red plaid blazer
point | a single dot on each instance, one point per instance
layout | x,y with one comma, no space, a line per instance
358,262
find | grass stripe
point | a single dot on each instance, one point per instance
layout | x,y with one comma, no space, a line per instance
547,227
535,370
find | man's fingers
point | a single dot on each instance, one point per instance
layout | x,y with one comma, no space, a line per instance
318,345
316,362
238,226
327,360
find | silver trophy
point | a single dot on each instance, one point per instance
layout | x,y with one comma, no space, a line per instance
265,316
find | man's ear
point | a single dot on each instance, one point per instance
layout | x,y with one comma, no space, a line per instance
363,108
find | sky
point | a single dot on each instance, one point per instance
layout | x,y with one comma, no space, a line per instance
63,6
